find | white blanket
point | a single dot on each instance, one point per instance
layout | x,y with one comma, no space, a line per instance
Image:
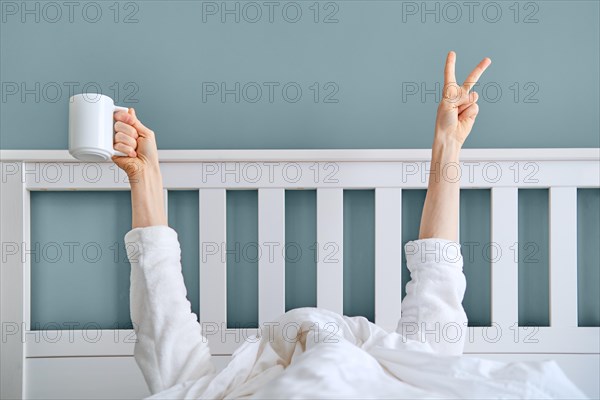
315,353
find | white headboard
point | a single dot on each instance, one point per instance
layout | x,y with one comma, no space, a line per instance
27,360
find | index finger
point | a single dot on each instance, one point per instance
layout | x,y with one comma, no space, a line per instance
449,75
476,73
124,117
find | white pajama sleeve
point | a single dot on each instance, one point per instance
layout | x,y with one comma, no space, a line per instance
170,347
432,310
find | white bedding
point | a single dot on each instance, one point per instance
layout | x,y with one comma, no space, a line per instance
315,353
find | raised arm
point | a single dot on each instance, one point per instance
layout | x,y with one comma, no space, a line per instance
455,118
142,168
432,310
170,347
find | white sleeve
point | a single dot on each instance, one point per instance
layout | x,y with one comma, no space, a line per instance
432,310
170,347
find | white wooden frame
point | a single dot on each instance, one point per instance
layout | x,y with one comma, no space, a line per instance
213,172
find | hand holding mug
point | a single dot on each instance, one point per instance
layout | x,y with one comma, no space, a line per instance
137,142
141,165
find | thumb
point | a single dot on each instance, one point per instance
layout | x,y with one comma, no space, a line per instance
127,164
118,160
138,125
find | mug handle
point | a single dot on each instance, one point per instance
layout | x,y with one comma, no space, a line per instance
116,152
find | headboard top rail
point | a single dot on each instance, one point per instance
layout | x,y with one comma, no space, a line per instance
333,155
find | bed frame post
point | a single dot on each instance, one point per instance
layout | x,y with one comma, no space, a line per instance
271,263
563,257
14,274
388,257
505,264
330,249
213,266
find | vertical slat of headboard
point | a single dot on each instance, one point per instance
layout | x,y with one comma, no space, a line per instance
14,214
505,265
388,257
271,264
330,249
213,271
563,256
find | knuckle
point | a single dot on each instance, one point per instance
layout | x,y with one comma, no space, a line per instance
128,130
125,138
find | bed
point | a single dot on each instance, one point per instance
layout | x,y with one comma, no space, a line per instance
73,366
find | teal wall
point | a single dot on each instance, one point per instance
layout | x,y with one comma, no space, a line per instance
242,259
368,72
475,234
359,253
184,217
300,255
588,256
533,257
367,59
79,267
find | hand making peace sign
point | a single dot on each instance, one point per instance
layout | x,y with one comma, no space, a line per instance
458,107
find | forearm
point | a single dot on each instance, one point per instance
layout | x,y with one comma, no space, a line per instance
440,211
435,292
147,199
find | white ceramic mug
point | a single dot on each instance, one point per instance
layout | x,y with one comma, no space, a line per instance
91,127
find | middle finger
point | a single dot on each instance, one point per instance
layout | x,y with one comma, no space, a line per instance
120,137
476,74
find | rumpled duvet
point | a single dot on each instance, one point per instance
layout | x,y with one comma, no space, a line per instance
315,353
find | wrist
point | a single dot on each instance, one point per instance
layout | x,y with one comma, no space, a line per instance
147,198
447,140
447,147
146,177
